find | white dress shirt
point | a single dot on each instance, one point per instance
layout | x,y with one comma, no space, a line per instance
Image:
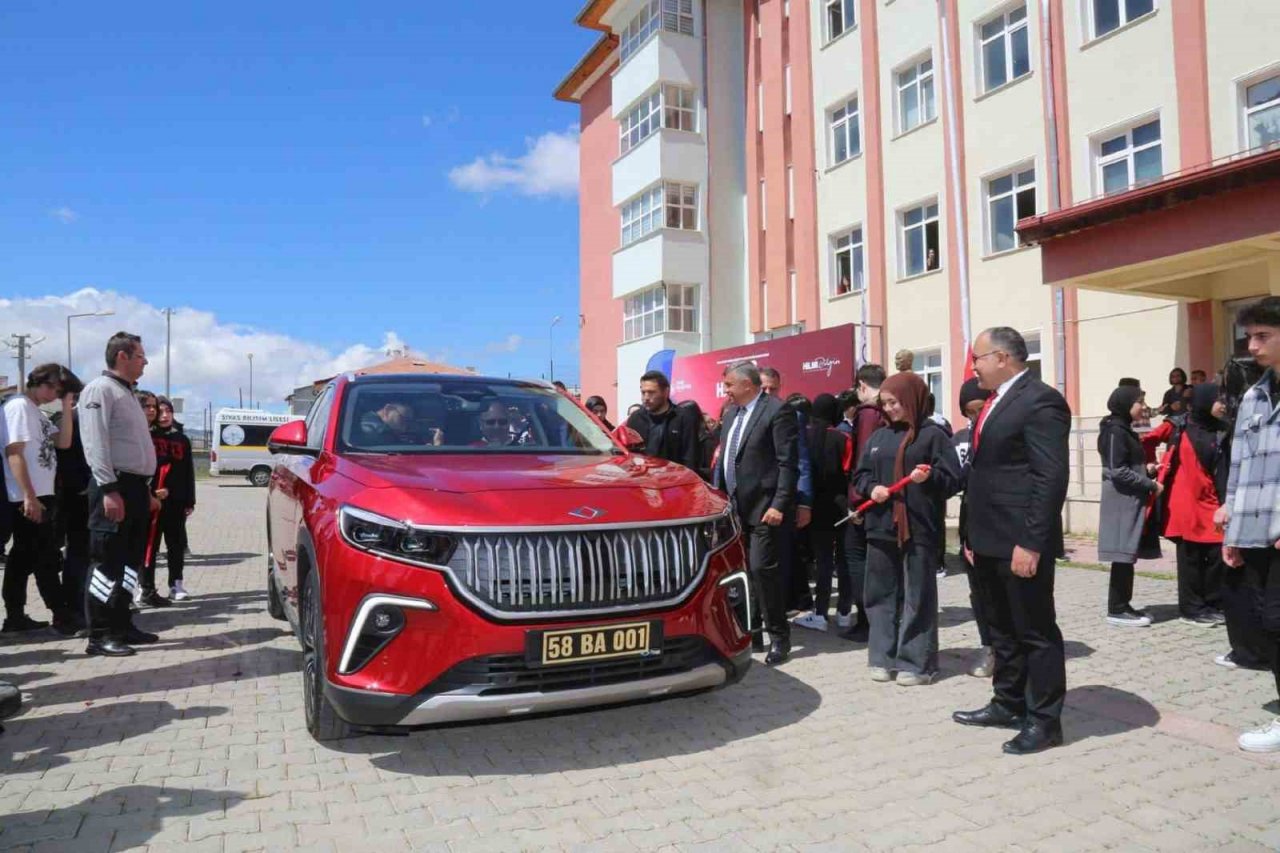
734,442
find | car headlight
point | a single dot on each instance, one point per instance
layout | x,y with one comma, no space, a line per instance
722,531
369,531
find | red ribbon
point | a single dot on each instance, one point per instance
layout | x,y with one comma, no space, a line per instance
893,490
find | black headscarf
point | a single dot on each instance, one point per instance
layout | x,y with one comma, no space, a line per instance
1203,428
1119,404
825,410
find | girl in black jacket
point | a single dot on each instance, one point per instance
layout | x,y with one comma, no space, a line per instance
830,454
175,484
903,532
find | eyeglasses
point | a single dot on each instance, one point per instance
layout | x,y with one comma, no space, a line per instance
977,358
495,421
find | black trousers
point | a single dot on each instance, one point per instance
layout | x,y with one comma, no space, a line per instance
855,554
1031,668
1262,572
34,552
116,551
1251,646
1200,570
170,523
1120,588
73,533
765,567
977,604
902,606
829,559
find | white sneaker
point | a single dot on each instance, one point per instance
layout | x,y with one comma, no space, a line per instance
1227,660
1265,739
879,673
812,621
844,620
914,679
942,572
178,592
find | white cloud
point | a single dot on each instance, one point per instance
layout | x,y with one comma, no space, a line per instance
65,215
510,344
548,167
209,357
426,121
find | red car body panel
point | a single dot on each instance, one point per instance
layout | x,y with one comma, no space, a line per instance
464,491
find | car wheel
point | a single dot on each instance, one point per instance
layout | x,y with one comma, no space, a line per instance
322,721
260,476
275,609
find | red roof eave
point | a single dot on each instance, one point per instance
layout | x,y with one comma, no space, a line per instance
1201,181
569,87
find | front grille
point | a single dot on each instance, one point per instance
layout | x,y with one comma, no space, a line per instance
496,675
579,570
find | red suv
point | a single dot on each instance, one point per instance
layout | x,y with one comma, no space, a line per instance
454,548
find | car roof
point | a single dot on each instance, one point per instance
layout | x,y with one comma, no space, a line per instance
452,378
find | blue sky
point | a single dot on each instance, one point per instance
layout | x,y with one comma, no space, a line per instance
285,168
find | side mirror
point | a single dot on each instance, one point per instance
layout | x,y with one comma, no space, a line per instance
626,437
290,438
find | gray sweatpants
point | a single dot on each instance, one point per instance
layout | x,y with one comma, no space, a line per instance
902,606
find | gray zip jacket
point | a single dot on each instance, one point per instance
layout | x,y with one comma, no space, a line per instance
114,430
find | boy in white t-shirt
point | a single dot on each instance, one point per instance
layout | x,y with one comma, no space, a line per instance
30,467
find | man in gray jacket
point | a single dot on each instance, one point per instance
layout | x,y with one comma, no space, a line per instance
118,448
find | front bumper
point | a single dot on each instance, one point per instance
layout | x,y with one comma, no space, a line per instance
469,703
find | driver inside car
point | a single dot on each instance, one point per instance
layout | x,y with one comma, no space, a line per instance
495,426
391,424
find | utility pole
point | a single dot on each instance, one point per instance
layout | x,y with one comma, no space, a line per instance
23,344
168,336
251,380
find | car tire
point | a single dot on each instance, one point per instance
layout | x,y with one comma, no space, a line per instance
260,477
275,608
323,721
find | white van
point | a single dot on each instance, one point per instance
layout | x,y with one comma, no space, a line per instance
240,443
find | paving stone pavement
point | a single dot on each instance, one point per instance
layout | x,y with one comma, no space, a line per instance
199,741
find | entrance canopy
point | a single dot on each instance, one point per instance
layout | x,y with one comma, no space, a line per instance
1211,233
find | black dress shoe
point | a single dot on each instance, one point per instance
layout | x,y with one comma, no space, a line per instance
991,715
137,637
757,643
109,648
1035,737
155,599
779,652
10,700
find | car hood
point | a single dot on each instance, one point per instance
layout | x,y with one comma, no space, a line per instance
515,489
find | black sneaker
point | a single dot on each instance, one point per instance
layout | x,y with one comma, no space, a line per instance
155,599
16,624
1129,618
1203,620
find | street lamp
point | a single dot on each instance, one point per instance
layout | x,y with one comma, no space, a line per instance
71,317
251,380
551,348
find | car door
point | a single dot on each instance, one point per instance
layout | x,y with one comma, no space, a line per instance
290,480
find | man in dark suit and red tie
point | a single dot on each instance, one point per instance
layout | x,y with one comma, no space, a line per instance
1016,489
758,468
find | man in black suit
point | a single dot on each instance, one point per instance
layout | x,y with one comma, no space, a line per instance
1013,504
758,468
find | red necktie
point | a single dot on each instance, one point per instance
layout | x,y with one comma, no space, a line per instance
982,418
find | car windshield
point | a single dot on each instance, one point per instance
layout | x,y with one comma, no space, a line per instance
465,416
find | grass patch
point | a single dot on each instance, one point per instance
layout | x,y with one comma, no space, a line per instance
1099,567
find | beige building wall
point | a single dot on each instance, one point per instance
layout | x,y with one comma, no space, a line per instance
1243,45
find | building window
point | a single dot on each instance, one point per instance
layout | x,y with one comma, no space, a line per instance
786,94
791,192
915,96
786,8
847,265
928,363
840,17
682,206
642,215
846,140
1131,158
678,108
1005,51
641,121
674,16
1034,362
1009,198
1262,113
1111,15
664,308
760,107
764,207
920,240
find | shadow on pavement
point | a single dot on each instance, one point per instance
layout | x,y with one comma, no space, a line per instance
45,741
1096,710
1162,613
237,639
92,823
33,657
763,702
208,561
950,616
197,610
249,663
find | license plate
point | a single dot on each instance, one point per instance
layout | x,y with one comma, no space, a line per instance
603,642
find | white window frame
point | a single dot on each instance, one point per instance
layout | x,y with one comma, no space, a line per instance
674,16
786,90
1019,184
848,12
920,366
1127,154
791,192
642,214
760,107
1035,351
764,207
1122,7
682,308
920,76
930,214
679,108
847,125
1008,30
641,120
644,313
1247,112
680,201
848,242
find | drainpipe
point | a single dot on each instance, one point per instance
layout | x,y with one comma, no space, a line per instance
704,297
953,163
1055,195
